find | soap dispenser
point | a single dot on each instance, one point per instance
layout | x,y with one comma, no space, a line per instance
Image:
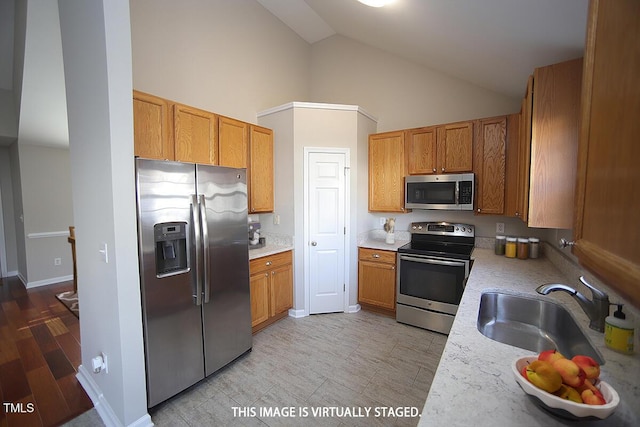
618,332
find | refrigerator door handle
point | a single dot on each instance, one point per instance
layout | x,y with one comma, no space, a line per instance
195,214
205,246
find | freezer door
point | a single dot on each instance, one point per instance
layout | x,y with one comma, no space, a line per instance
226,303
171,317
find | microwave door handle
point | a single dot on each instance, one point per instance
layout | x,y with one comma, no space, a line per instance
457,192
433,261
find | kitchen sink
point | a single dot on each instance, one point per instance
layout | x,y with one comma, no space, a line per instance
533,324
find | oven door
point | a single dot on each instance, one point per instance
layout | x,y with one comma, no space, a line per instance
431,283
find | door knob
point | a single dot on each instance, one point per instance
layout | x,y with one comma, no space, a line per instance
314,243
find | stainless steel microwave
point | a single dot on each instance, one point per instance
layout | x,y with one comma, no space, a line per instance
445,192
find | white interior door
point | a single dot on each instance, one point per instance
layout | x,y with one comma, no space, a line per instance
326,219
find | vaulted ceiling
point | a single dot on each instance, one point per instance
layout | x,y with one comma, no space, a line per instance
495,44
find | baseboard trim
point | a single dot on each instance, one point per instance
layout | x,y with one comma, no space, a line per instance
296,314
101,404
354,308
45,282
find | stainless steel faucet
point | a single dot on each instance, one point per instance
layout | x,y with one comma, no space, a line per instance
597,308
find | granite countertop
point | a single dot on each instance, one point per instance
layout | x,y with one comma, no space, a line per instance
474,384
269,249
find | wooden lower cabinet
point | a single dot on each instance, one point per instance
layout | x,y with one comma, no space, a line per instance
377,280
271,283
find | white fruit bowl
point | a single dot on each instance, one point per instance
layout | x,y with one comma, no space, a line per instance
562,407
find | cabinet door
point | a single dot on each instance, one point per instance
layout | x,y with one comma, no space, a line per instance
421,151
386,172
281,289
524,154
511,173
377,284
260,170
554,144
455,148
233,140
259,288
152,130
608,194
491,151
195,135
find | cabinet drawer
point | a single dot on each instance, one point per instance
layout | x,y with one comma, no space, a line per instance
267,263
366,254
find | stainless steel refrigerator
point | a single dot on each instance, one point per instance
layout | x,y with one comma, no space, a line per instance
194,268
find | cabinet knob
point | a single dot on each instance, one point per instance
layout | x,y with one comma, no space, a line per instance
393,267
266,274
268,263
479,210
442,169
564,243
434,169
375,256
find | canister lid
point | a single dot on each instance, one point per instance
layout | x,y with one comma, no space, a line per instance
523,240
511,239
534,239
500,237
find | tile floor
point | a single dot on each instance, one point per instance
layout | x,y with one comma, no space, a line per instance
343,361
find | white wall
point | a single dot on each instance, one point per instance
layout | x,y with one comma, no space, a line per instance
229,57
6,191
97,57
400,93
47,207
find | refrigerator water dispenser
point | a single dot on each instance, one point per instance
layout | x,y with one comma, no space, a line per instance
171,248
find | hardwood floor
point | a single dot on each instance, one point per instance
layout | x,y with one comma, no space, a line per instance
39,355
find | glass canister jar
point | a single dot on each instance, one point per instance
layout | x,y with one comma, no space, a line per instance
510,248
534,247
523,248
501,242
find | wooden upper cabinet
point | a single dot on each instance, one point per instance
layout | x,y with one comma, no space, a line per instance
608,195
554,144
422,150
455,148
524,154
386,172
152,127
260,170
195,135
233,142
512,162
491,150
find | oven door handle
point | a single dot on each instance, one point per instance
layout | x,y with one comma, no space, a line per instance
433,261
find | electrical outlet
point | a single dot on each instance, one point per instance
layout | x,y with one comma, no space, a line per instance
383,221
500,227
57,261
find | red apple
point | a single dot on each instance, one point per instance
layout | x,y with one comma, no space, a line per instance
588,385
544,376
550,355
590,366
590,398
568,393
571,373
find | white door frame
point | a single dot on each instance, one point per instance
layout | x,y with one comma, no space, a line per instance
347,207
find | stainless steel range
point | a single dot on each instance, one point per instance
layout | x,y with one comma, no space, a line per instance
432,273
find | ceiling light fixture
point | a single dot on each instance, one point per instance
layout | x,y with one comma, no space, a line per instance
376,3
